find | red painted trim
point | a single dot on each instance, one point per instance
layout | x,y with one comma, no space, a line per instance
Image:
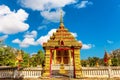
73,62
50,61
61,49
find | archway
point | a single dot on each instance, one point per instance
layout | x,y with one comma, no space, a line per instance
62,62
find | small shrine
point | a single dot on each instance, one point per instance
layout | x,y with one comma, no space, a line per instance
107,59
62,49
19,58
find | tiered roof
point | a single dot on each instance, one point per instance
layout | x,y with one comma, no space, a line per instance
62,38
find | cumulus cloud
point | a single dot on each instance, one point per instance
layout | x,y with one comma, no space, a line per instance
42,27
84,4
42,5
2,38
29,39
16,41
44,38
74,34
52,16
27,42
33,53
12,22
46,7
87,46
110,42
32,34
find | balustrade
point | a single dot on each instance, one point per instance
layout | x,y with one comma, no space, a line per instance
98,72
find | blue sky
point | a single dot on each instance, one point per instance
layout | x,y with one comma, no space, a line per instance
26,24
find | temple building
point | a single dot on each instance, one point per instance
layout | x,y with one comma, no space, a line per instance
60,50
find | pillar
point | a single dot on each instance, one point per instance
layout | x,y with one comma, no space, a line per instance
62,68
70,57
77,63
54,57
47,63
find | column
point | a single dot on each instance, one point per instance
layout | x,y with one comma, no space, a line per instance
47,63
70,57
62,70
78,69
54,57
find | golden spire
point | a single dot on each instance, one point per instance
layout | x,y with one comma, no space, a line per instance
61,19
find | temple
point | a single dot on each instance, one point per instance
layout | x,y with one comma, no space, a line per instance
60,50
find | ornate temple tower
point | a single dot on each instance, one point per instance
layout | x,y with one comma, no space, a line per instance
107,59
62,48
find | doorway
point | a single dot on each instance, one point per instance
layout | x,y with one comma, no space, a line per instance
62,63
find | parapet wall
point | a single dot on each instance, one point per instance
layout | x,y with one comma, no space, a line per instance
87,72
101,72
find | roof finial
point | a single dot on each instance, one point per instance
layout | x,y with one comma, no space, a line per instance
61,19
61,16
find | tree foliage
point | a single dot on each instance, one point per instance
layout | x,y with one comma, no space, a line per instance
92,61
37,59
8,58
26,58
115,62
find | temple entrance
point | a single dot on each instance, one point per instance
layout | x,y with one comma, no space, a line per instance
62,63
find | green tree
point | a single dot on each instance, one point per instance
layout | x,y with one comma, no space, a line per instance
7,56
101,62
26,59
40,57
37,59
33,63
84,63
1,56
114,62
93,60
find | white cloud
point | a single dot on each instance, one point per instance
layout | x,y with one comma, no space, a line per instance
33,53
52,16
84,4
42,5
2,38
29,39
42,27
32,34
87,46
49,9
110,42
74,34
16,41
12,22
27,42
43,39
